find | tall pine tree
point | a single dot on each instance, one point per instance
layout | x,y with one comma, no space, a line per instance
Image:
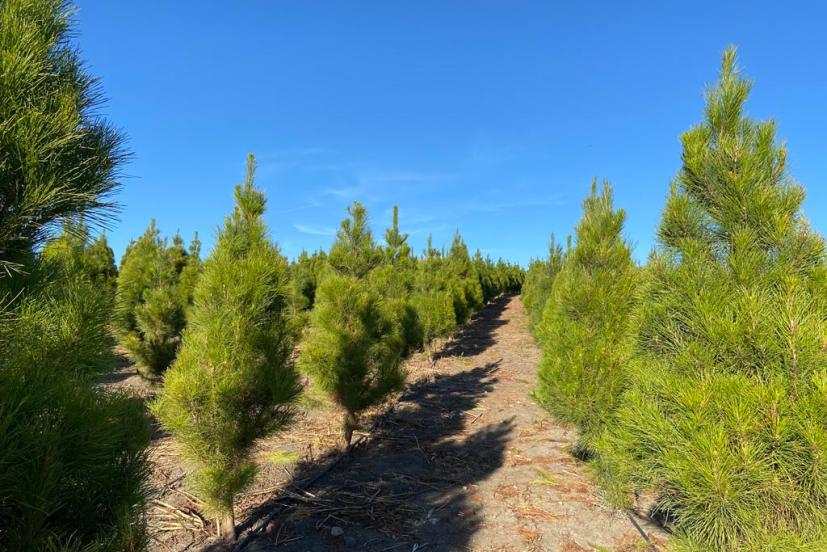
585,331
72,466
233,381
725,418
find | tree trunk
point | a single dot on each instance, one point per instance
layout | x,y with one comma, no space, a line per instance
351,422
226,527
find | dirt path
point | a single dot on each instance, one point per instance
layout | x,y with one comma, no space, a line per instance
465,461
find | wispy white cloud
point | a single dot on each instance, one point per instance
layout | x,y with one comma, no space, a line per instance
315,229
344,192
311,204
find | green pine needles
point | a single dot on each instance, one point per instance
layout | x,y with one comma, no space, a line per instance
585,325
432,297
155,288
72,465
75,254
464,281
539,279
725,417
355,342
353,348
233,381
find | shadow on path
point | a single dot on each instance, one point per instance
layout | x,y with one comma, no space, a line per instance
412,480
478,334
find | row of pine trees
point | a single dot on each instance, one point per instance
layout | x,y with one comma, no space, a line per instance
699,380
355,313
224,339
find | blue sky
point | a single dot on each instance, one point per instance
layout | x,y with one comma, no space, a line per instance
487,117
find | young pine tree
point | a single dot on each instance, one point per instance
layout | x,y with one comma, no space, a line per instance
189,270
465,282
393,280
432,297
305,273
68,250
354,252
149,313
585,332
76,256
100,264
353,347
724,421
396,243
539,280
232,382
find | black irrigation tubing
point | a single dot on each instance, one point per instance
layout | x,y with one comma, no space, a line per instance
259,527
641,531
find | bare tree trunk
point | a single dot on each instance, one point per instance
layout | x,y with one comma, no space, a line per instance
226,527
351,422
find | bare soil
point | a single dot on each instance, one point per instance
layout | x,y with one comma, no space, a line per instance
462,459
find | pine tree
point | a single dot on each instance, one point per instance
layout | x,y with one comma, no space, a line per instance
433,298
397,247
354,252
539,281
393,280
72,466
353,348
725,418
150,312
68,249
489,275
233,382
435,314
100,264
585,332
464,281
48,111
75,256
189,272
305,273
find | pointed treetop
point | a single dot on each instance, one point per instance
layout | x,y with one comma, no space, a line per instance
195,246
250,202
397,246
733,185
458,251
354,252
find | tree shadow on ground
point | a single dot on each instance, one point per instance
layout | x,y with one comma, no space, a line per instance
478,334
412,483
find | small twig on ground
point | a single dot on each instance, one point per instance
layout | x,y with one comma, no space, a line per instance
425,456
641,531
